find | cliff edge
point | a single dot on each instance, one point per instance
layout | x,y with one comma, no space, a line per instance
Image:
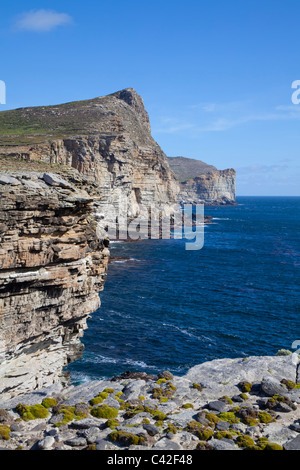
201,183
53,261
107,139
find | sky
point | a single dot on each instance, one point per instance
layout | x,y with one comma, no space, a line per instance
216,76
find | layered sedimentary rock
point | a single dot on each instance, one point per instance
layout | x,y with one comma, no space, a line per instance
108,139
53,251
215,188
203,184
53,260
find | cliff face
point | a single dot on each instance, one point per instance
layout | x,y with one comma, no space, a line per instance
215,188
53,260
108,139
53,243
203,184
53,250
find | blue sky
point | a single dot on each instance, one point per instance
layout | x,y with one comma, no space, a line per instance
216,76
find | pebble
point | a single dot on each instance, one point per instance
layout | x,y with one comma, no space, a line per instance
46,443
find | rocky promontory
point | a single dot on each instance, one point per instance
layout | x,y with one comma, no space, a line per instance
107,139
201,183
228,404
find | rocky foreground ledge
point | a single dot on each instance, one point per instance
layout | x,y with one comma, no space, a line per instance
229,404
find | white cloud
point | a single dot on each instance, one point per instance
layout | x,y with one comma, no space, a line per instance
41,20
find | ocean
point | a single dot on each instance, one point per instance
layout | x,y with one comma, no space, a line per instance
166,308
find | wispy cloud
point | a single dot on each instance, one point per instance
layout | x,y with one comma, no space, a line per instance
41,20
214,117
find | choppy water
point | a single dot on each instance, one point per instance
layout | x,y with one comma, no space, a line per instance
168,308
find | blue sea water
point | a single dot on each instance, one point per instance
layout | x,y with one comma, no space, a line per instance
167,308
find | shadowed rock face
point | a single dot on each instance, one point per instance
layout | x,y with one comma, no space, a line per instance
53,260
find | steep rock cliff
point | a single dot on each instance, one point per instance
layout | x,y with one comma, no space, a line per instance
53,260
108,139
214,188
203,184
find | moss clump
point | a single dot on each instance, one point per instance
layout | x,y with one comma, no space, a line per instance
163,400
205,434
247,415
49,402
125,438
226,400
166,391
187,405
203,446
198,387
283,352
290,385
4,432
273,446
91,447
109,390
133,410
276,400
165,375
223,435
146,421
31,412
103,395
262,442
161,381
193,427
68,414
158,415
99,398
212,418
171,428
264,417
244,396
245,387
172,387
245,441
228,416
112,423
104,412
159,424
96,400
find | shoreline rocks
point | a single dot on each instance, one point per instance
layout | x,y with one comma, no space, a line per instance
138,411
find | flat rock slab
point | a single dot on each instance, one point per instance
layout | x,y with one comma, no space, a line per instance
221,376
5,179
54,180
293,444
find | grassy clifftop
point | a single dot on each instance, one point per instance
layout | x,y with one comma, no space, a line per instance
187,168
109,114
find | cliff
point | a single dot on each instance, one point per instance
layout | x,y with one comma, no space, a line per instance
63,171
108,139
53,260
203,184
